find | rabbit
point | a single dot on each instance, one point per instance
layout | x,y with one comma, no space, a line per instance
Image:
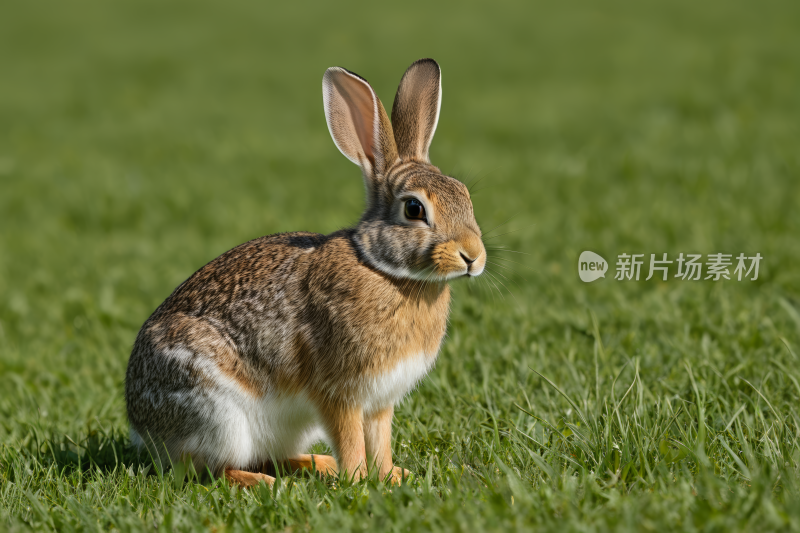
297,338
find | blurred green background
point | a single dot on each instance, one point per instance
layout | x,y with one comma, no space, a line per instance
139,140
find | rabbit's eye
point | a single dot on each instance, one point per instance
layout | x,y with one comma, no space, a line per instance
415,210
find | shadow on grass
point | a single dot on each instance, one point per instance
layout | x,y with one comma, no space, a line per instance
108,452
97,451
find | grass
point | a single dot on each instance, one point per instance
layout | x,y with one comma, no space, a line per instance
139,140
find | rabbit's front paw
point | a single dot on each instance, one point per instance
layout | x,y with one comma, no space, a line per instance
398,475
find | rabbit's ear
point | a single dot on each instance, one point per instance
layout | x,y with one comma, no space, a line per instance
357,121
415,112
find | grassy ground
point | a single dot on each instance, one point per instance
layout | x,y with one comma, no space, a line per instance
139,140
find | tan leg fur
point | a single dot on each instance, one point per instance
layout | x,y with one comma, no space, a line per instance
378,443
345,428
378,440
247,479
324,464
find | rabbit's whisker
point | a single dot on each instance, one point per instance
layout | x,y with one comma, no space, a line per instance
510,232
501,225
498,258
510,271
501,283
508,279
490,280
507,250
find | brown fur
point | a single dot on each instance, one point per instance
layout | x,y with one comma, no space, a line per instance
318,316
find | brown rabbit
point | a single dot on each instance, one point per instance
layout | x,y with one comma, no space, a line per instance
295,338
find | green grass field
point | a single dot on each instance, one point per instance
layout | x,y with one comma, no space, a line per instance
139,140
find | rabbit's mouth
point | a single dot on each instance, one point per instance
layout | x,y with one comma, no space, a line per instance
459,259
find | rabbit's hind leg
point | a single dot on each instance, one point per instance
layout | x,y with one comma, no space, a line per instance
322,464
247,479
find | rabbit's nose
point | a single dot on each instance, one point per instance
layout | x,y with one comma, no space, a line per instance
466,259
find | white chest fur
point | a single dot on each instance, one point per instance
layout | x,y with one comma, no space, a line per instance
388,388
